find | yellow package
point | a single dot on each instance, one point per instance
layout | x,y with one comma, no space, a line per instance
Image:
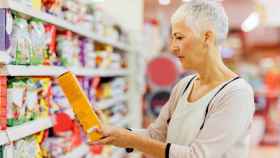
36,4
80,104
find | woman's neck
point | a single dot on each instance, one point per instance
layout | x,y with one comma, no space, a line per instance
213,70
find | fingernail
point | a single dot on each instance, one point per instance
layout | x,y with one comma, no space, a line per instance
89,141
95,143
92,129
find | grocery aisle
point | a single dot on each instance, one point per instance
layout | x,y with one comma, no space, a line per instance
252,50
119,51
39,41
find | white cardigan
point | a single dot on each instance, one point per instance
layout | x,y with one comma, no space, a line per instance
226,130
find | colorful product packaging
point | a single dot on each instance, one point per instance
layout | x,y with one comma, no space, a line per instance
28,99
38,39
3,103
6,25
31,100
80,104
53,6
15,103
50,55
87,55
64,137
27,148
44,95
68,49
21,45
59,99
82,56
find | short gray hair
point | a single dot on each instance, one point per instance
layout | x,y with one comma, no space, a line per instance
201,15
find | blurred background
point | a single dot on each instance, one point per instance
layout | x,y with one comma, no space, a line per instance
119,49
252,50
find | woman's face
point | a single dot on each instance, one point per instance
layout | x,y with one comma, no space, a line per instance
189,48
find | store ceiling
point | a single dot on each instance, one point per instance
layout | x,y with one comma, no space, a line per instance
238,10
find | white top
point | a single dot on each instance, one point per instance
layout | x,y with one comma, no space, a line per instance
226,130
189,114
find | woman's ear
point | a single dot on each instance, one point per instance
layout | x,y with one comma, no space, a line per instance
209,37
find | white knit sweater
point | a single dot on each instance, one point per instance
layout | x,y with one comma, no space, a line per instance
226,130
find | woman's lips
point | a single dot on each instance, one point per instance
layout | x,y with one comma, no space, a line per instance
180,57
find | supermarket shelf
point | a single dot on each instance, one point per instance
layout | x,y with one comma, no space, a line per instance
64,24
80,151
110,102
29,128
99,72
24,130
19,70
101,105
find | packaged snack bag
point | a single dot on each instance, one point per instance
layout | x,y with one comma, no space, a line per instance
80,104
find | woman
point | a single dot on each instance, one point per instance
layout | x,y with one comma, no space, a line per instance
208,114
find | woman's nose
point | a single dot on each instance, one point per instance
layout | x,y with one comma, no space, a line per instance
174,48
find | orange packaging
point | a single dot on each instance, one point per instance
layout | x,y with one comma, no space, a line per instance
80,104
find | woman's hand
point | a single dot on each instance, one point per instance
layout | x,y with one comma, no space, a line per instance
119,137
125,139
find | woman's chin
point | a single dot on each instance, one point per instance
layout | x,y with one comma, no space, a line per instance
186,66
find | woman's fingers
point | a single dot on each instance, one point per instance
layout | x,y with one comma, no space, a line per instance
105,131
100,130
95,129
105,141
98,112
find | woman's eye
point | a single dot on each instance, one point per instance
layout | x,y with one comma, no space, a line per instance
179,38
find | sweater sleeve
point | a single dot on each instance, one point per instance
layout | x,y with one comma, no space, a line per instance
228,119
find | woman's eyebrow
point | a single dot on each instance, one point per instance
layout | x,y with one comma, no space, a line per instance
178,34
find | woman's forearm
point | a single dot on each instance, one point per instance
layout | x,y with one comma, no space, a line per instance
147,145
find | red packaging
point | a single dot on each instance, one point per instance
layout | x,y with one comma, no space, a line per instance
272,109
51,40
48,4
3,102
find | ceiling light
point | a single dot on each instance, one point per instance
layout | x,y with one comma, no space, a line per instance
251,22
164,2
